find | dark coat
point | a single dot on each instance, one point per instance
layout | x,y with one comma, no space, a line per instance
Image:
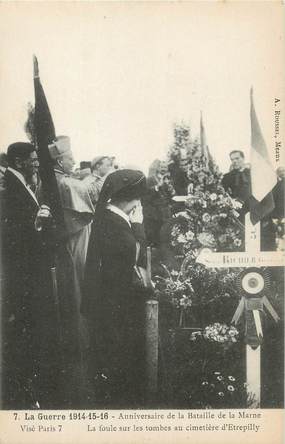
179,177
114,306
279,199
41,350
26,304
156,211
238,184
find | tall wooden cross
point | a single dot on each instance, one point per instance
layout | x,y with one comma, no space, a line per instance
253,285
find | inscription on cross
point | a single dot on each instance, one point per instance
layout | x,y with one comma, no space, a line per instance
252,284
251,257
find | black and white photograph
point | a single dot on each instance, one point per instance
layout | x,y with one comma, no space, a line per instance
142,178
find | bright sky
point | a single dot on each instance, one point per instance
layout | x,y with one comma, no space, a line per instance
118,75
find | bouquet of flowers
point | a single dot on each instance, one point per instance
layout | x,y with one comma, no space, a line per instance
210,217
217,332
175,288
201,293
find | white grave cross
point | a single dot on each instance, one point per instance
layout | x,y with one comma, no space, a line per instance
252,257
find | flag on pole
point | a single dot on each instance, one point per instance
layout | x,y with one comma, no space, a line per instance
45,134
263,176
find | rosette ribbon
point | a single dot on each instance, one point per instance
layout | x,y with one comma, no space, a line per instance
253,284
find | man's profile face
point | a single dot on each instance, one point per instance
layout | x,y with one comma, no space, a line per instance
105,167
237,161
67,162
30,166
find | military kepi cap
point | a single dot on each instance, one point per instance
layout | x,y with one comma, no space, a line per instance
97,160
60,146
123,184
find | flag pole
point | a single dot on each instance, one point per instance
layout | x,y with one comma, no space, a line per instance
252,281
45,134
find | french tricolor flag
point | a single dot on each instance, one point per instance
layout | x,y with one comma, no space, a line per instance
263,176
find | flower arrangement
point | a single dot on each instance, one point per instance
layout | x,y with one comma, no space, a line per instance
211,216
175,288
209,220
217,332
201,293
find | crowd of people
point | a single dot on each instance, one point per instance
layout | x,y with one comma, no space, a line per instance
73,314
60,312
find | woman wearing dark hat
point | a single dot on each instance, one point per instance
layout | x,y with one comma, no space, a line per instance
113,300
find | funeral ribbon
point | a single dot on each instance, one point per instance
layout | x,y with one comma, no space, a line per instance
253,284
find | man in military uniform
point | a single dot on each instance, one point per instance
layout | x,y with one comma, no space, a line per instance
101,166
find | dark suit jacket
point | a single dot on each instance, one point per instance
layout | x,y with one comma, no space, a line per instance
238,184
26,304
179,178
279,199
156,211
22,246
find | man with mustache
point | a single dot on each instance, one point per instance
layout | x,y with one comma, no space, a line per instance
24,283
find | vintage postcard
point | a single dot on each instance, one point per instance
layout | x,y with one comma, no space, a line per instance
142,177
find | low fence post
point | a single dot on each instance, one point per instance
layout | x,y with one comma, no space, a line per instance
151,349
